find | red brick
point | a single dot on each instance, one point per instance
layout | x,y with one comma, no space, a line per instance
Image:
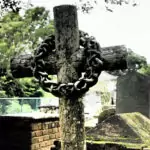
51,142
33,134
52,136
47,143
45,125
39,133
41,139
57,124
39,126
50,131
45,148
45,132
59,129
35,146
50,125
46,137
55,130
34,126
42,144
35,140
57,135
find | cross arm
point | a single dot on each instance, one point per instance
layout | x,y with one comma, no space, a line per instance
114,58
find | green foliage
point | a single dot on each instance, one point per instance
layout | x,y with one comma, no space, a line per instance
105,97
87,5
33,102
23,33
135,61
10,5
3,94
10,87
14,107
105,114
145,70
4,103
26,108
19,34
30,89
84,5
28,86
25,87
10,106
138,63
122,2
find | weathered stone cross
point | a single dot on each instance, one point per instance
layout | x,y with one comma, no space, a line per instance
60,63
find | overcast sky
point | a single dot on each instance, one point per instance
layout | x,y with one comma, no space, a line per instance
126,25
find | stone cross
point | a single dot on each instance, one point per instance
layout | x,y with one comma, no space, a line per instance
67,70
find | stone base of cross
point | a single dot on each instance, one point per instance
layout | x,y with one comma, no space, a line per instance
69,62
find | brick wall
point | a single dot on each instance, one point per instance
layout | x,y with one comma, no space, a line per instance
28,133
43,134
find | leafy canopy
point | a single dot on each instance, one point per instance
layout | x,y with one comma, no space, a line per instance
21,34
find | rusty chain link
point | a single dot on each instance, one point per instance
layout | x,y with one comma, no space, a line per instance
88,79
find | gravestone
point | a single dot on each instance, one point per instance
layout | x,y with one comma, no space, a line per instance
133,93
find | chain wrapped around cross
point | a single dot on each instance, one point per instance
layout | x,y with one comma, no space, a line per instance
89,59
93,63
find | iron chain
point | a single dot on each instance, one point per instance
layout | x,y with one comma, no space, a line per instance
89,77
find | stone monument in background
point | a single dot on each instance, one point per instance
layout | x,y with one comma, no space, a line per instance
133,93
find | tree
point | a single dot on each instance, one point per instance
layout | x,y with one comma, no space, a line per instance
122,2
25,87
21,34
3,102
87,5
84,5
145,70
31,89
13,5
135,62
10,86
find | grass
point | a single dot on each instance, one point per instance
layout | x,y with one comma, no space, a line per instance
128,145
140,124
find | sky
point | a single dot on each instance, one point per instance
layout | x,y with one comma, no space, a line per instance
126,25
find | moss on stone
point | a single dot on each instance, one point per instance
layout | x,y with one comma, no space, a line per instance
128,145
140,124
106,114
128,128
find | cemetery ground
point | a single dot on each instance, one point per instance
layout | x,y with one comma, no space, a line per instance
127,131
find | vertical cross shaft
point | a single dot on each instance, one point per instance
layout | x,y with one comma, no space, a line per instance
71,109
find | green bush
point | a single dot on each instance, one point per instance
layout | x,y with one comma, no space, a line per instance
26,108
14,107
